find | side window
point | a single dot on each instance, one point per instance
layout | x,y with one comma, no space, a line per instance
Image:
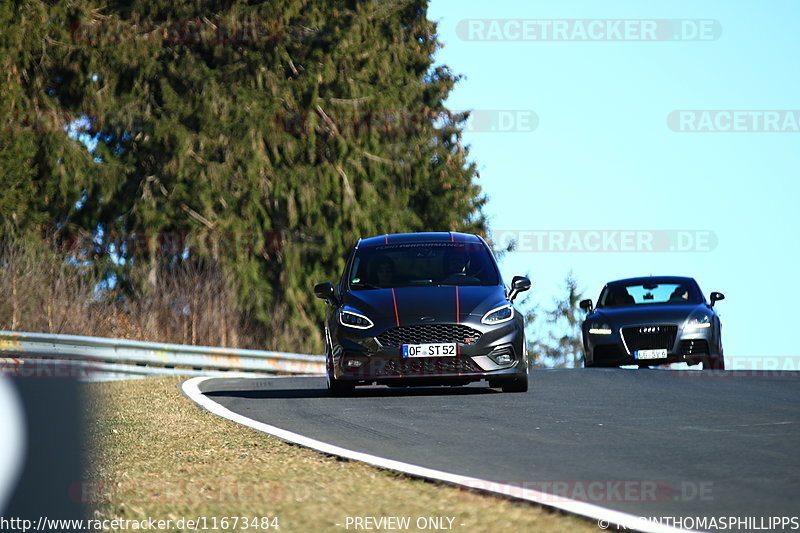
601,300
355,272
346,272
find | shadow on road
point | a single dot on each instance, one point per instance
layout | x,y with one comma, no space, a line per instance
366,392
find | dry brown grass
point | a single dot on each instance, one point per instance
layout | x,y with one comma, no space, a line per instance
155,454
51,290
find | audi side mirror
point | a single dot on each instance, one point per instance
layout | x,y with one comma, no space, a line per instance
715,297
586,305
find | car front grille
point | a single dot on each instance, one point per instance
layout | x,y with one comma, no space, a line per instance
428,333
694,347
428,366
650,337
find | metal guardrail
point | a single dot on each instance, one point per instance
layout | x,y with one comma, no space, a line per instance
101,354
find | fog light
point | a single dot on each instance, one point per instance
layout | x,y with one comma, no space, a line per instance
503,359
353,363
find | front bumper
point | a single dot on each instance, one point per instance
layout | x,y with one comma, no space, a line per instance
688,346
358,356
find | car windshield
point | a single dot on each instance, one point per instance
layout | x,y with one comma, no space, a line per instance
626,295
422,264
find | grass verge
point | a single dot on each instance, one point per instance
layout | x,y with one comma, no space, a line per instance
154,454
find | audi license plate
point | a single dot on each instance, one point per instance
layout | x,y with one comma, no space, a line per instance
650,354
429,350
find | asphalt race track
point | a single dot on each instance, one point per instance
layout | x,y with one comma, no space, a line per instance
646,442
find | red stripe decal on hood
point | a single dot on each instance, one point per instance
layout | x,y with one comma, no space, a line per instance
458,321
396,314
458,308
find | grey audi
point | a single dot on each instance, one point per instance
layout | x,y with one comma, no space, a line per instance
652,321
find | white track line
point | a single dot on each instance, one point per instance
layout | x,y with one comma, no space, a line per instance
612,518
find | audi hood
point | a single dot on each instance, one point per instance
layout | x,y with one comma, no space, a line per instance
647,314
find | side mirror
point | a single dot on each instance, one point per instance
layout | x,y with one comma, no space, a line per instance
325,291
518,284
715,297
586,305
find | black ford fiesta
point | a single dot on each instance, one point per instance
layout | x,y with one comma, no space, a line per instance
651,321
423,309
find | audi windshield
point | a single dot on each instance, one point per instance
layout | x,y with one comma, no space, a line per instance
625,295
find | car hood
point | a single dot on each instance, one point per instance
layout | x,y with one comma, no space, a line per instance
648,314
415,303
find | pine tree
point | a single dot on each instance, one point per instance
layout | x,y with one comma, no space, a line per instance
272,135
43,172
559,343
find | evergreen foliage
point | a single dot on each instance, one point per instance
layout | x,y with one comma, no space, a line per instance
559,343
262,137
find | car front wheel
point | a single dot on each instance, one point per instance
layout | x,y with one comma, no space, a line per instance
519,384
714,363
335,387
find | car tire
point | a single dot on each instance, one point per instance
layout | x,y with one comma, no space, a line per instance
335,387
338,388
519,384
714,363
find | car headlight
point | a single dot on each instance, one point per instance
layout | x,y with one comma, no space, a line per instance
354,320
696,322
599,329
498,315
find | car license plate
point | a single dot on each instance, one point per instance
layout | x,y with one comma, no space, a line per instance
650,354
429,350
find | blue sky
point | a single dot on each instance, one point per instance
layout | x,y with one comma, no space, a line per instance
602,156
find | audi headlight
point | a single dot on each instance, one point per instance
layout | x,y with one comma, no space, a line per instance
599,329
698,321
498,315
354,320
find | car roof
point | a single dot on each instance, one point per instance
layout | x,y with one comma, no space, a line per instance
652,279
427,236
